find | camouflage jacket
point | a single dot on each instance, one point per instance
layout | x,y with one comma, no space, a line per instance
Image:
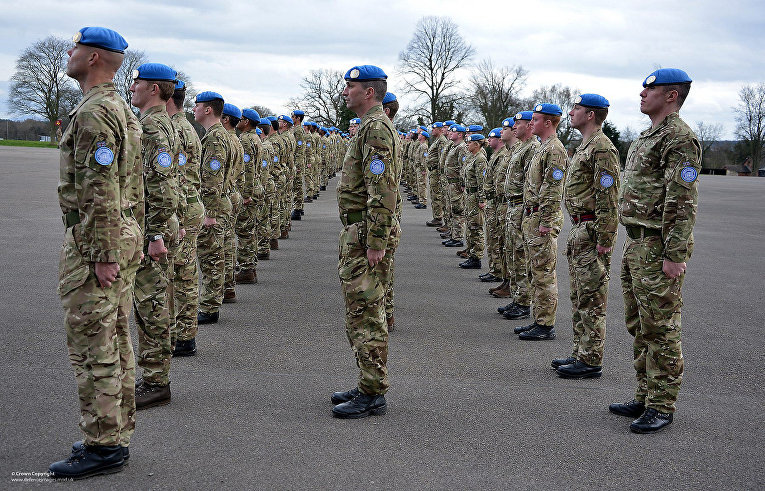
489,186
475,174
160,170
520,158
434,153
235,170
544,180
101,171
300,147
190,151
455,161
252,186
368,183
592,185
215,155
660,186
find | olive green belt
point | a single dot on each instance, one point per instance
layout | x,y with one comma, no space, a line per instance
72,218
637,232
351,217
472,190
193,199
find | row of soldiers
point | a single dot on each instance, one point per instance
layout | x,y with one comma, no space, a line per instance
509,207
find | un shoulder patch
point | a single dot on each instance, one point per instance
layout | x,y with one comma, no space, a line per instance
104,156
214,165
264,163
323,146
308,144
164,159
557,174
377,167
246,157
464,159
688,174
425,154
276,158
181,159
606,181
300,143
484,173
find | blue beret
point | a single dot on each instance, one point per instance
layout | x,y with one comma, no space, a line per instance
252,115
591,100
298,112
423,128
356,121
180,84
155,71
425,134
258,131
524,116
437,124
496,132
458,128
232,110
475,127
285,118
271,118
265,122
208,96
475,137
389,97
364,73
667,76
449,123
101,37
549,109
508,123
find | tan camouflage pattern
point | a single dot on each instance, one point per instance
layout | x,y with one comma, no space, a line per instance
455,161
368,185
247,220
591,187
543,188
658,193
434,177
495,228
236,177
96,318
475,173
301,157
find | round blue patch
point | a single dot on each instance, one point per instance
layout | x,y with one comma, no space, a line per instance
323,146
484,173
246,157
300,143
276,158
308,144
425,154
164,159
557,174
104,156
688,174
181,159
265,163
214,165
606,181
464,159
376,167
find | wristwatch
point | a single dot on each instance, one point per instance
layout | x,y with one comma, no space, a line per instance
156,237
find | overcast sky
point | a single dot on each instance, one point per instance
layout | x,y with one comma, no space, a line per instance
256,52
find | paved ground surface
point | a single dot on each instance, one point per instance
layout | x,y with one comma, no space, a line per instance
471,406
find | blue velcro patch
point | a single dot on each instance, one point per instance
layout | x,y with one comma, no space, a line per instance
606,181
557,174
323,146
164,159
308,144
276,158
425,154
484,173
265,163
376,167
300,143
464,159
181,159
688,174
104,156
246,157
214,165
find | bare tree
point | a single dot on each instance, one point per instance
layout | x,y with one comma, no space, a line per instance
707,134
751,121
40,85
263,111
321,99
564,97
124,77
494,91
430,63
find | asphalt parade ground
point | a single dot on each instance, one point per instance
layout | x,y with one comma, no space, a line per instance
470,405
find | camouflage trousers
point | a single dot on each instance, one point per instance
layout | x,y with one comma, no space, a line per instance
98,337
268,223
422,184
186,277
153,296
312,181
289,199
211,263
229,242
498,243
589,273
474,235
652,304
283,206
456,210
388,267
436,200
297,187
542,253
490,218
516,259
364,290
445,200
247,236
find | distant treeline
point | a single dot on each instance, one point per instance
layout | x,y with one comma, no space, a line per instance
29,129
